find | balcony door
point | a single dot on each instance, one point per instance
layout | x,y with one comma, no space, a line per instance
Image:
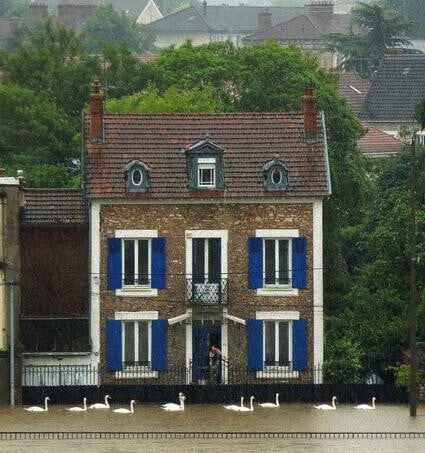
206,269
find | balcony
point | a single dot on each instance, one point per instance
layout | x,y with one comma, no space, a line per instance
206,294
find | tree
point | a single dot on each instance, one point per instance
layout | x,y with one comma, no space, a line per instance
377,28
420,113
111,27
415,11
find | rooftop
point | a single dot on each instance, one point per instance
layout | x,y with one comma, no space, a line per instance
376,143
353,88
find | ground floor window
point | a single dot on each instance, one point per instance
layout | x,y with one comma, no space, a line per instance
136,343
277,343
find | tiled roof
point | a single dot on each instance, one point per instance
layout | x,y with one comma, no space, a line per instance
249,139
353,88
222,18
397,87
305,27
376,143
54,207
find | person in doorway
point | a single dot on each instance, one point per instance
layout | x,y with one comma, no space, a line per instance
215,364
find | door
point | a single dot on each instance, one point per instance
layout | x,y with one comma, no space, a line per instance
203,336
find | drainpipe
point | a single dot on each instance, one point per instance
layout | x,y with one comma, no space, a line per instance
12,342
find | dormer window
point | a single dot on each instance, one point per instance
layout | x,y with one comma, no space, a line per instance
136,176
275,175
205,166
206,171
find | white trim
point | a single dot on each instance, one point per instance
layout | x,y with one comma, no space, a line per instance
318,289
137,292
179,318
277,315
224,349
277,291
136,234
277,233
95,280
189,347
233,318
206,160
136,315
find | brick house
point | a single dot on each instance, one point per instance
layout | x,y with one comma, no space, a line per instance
205,228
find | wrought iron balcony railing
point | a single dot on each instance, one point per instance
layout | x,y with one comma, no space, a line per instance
204,294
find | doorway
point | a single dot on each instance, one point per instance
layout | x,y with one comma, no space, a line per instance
204,334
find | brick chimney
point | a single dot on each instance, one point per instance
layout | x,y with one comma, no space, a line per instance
264,21
96,113
309,109
320,7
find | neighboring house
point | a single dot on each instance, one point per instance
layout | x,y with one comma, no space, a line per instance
206,228
11,195
141,11
307,30
54,288
353,88
376,143
209,23
75,13
396,88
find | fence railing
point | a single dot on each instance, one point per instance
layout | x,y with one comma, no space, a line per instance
222,373
205,293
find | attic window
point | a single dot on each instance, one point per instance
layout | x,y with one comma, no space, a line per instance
136,176
206,172
275,175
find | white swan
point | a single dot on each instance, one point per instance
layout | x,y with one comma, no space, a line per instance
123,410
101,405
172,407
78,408
38,408
271,404
326,407
366,406
247,409
234,407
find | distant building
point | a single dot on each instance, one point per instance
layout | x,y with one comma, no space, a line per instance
141,11
209,23
376,143
353,88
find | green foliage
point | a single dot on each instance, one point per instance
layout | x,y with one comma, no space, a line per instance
420,113
402,375
343,362
415,11
172,100
111,27
376,28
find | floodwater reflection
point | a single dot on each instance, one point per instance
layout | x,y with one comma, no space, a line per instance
214,418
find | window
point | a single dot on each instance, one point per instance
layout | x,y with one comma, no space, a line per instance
276,262
275,175
206,172
206,260
137,176
136,347
277,341
136,262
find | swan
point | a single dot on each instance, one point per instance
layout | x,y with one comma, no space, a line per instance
234,407
101,405
247,409
38,408
271,404
366,406
171,407
123,410
167,405
326,407
78,408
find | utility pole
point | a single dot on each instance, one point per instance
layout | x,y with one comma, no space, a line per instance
413,394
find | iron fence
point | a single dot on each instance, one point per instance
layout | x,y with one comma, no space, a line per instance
205,293
60,375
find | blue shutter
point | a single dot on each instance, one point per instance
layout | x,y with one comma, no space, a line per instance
299,274
113,345
255,262
299,345
158,266
255,344
159,344
114,263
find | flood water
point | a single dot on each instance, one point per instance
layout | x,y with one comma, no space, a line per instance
214,418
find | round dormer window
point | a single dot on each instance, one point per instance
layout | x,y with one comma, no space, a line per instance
276,176
136,177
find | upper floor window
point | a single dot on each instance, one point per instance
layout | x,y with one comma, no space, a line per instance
205,166
136,262
276,261
275,175
137,176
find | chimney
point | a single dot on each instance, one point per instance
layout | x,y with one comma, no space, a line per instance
309,109
96,113
320,7
264,21
204,8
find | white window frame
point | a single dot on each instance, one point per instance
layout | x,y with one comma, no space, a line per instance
136,290
278,316
278,290
135,372
141,177
207,163
276,264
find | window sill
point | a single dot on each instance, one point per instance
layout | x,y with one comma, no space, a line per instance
277,372
277,291
136,292
56,354
136,373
